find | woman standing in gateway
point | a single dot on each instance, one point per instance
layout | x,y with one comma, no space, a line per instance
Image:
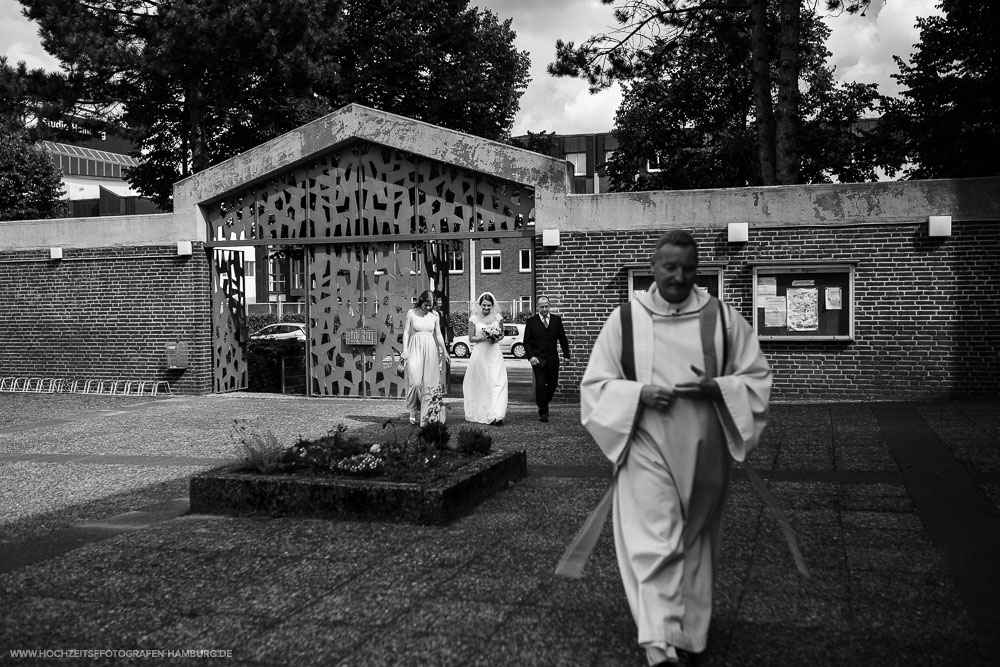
485,383
425,354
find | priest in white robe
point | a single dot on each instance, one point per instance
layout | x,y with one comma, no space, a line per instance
699,395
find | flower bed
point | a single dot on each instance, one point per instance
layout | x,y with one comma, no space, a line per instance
415,476
228,491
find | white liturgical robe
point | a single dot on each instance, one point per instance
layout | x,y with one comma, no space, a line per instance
672,466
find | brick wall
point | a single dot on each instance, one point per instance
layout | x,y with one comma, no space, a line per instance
105,314
508,285
927,311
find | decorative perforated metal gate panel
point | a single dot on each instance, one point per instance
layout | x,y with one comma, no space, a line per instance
353,289
375,225
229,321
370,190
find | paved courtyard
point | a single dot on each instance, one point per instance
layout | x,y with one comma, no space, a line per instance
896,506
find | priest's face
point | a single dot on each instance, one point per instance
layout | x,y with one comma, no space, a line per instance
675,270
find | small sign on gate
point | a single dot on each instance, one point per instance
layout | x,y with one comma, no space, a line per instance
360,336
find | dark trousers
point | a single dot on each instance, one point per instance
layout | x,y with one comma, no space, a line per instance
546,379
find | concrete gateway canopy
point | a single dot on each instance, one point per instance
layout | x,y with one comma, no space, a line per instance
409,169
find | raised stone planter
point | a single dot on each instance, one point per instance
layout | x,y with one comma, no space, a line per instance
224,491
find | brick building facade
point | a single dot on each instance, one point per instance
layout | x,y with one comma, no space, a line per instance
927,311
106,314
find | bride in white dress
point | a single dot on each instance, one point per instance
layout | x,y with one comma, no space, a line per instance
485,383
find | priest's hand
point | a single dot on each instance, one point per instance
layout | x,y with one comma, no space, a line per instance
656,397
703,387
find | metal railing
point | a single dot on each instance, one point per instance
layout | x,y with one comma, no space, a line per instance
512,307
278,308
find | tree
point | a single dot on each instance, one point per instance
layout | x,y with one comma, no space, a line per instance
188,79
29,96
194,82
30,185
947,119
689,110
655,26
538,142
433,60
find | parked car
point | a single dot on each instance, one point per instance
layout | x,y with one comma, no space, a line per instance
281,331
511,343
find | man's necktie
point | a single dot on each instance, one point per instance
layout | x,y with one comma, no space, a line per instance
545,322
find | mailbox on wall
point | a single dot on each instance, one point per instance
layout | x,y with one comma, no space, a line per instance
177,356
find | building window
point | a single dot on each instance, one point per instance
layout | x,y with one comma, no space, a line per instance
579,161
276,280
525,260
657,164
298,272
415,261
524,304
608,155
709,277
490,261
456,261
249,269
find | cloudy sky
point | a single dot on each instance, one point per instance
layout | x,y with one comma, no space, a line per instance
862,50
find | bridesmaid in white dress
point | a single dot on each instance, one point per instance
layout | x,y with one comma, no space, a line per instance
425,354
485,385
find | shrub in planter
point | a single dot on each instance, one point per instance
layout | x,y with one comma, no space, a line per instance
421,455
435,434
474,442
260,451
327,451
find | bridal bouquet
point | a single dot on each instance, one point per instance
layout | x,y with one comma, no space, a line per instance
493,332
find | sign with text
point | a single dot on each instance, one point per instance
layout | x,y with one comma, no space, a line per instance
360,336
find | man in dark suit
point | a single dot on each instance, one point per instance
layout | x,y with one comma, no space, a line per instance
541,332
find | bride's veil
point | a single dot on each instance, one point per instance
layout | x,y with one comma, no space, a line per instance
476,310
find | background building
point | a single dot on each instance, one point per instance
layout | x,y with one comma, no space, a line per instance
93,166
587,153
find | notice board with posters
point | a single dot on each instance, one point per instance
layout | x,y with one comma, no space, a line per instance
804,302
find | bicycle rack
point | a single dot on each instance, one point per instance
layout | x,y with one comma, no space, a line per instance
70,386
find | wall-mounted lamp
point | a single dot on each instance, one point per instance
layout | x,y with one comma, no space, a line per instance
55,253
184,249
550,238
939,225
739,232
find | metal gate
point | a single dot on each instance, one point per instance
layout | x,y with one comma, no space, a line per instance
357,303
375,226
229,329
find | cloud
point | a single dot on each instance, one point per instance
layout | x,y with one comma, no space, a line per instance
560,105
21,38
863,46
